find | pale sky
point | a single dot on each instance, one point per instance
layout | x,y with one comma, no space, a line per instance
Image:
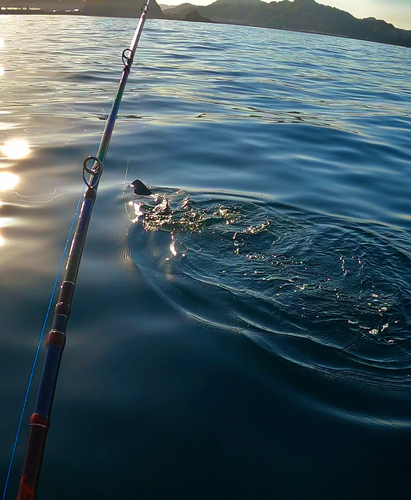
397,12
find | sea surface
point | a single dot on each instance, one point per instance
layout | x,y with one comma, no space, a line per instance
246,332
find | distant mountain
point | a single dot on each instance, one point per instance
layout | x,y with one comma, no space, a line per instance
225,5
120,8
247,2
196,17
175,9
300,15
219,11
232,11
47,5
181,9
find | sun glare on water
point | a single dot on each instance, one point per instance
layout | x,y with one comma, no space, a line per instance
16,149
1,43
8,181
2,241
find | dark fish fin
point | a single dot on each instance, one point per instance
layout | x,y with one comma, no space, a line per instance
140,188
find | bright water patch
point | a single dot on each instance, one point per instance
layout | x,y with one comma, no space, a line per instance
331,295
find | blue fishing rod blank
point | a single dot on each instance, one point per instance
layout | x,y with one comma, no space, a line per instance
92,171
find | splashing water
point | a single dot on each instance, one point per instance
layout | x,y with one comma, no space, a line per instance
327,294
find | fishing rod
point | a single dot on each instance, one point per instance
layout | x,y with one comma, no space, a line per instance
92,171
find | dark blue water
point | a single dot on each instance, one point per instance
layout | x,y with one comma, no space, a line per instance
252,340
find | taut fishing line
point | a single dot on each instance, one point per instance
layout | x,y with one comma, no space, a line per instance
125,175
40,420
43,329
36,356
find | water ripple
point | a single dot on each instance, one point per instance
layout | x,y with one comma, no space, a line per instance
330,295
313,267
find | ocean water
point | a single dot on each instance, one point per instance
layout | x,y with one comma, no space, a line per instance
253,339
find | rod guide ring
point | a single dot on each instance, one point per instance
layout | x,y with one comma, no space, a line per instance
126,57
95,170
97,165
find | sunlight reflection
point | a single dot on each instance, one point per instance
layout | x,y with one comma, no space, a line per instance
5,221
1,70
16,149
2,241
138,210
1,43
8,181
173,247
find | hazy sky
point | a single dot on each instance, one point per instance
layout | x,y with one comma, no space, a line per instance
397,12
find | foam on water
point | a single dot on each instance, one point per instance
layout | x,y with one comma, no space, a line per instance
331,295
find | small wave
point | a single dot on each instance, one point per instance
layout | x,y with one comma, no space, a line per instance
329,295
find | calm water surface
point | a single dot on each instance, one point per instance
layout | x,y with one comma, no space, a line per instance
253,341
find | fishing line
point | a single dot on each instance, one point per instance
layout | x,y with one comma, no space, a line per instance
92,170
53,292
125,175
40,341
26,396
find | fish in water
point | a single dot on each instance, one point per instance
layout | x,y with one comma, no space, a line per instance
308,288
161,203
140,188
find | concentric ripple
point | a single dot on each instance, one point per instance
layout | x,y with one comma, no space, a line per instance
328,294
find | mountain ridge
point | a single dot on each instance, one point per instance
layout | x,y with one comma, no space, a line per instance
299,15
